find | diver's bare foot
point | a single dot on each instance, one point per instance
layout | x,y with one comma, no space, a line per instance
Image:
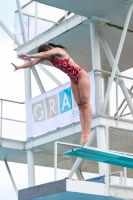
84,138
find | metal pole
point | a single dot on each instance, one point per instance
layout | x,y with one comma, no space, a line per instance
117,98
118,55
49,74
55,161
101,144
40,85
30,154
125,176
106,82
111,60
107,165
27,75
31,170
28,27
21,21
78,160
11,177
121,177
96,62
1,111
107,137
9,33
36,13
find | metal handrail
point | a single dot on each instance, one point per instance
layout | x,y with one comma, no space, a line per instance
12,119
116,80
106,72
9,119
12,101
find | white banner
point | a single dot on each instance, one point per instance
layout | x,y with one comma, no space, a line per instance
54,109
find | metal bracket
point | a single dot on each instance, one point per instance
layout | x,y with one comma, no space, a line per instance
94,18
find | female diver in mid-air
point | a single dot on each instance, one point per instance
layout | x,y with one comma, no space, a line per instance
80,82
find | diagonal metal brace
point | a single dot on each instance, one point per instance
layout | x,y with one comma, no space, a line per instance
78,161
118,56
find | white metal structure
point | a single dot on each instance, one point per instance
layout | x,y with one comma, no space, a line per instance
83,34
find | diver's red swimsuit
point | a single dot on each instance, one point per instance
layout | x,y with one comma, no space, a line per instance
66,67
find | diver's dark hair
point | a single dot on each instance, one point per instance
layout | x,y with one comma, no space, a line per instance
57,45
47,47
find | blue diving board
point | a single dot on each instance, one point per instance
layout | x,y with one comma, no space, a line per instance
99,155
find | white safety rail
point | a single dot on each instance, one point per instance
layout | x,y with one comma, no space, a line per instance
119,180
12,120
37,19
117,105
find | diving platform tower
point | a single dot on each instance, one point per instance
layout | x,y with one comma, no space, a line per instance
98,36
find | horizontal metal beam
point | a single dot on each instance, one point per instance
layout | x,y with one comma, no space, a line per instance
40,18
12,120
56,135
12,144
12,101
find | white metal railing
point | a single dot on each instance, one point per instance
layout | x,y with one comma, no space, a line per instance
12,116
120,107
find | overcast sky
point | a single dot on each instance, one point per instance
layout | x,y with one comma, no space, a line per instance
12,87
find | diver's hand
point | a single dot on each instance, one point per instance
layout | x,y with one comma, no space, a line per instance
24,56
16,67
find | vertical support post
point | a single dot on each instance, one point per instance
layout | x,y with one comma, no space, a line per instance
11,177
31,170
66,19
27,75
21,21
96,62
121,177
65,14
30,153
28,27
125,176
117,99
101,144
106,82
1,111
36,13
107,165
55,161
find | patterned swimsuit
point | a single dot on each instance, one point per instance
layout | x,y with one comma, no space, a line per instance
67,68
